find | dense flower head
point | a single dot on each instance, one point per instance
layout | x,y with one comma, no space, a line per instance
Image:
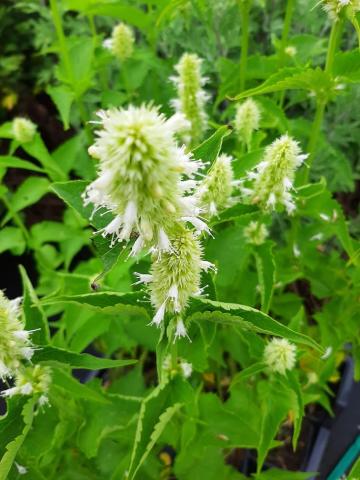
191,96
15,345
34,380
280,355
175,277
335,7
247,120
23,129
215,190
272,179
121,43
140,176
256,233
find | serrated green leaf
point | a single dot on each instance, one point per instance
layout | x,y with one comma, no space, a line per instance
315,80
63,98
234,213
12,448
37,149
276,402
238,314
63,380
209,150
76,360
109,302
149,428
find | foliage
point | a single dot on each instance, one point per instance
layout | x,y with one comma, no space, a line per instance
125,399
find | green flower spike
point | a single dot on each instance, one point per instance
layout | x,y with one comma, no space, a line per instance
191,97
23,130
273,177
214,192
247,121
121,43
280,355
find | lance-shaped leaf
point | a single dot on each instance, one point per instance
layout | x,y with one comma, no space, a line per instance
50,355
246,317
13,431
265,265
209,150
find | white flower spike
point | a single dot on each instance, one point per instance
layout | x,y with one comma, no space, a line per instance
272,179
15,345
140,177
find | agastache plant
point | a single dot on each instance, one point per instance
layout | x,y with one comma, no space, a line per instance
335,7
280,355
214,192
272,179
175,278
247,120
23,129
191,97
121,43
142,177
15,344
34,380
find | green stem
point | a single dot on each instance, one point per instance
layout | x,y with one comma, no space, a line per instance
16,217
245,17
321,103
284,39
287,24
64,54
173,353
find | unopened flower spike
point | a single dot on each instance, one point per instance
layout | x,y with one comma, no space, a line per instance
140,177
175,277
34,380
214,192
256,233
191,97
280,355
272,179
23,130
15,344
247,120
335,7
121,43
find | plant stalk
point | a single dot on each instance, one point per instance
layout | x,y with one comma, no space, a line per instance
321,103
245,18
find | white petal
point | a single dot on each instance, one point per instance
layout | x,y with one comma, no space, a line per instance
164,244
159,316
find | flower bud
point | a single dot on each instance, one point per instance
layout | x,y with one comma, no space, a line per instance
191,97
139,178
273,177
23,129
247,120
121,43
33,380
256,233
176,274
335,7
215,190
15,345
280,355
